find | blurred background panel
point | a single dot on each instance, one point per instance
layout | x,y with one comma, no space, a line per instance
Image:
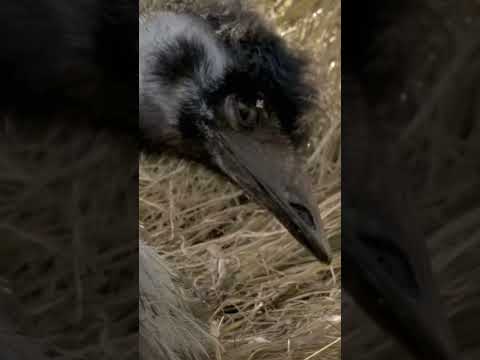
411,124
68,180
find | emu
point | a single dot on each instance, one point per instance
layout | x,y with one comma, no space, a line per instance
232,104
224,90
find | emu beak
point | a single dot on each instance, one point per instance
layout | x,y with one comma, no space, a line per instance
269,171
390,276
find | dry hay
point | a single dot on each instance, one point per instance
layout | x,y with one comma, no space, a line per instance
68,258
269,298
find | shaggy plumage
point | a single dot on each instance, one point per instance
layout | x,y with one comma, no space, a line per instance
205,56
58,57
169,330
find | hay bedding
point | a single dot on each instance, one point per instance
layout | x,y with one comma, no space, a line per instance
69,260
263,295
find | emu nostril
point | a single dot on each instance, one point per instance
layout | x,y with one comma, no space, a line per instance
304,213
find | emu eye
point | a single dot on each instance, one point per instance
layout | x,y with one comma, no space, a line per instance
247,116
240,115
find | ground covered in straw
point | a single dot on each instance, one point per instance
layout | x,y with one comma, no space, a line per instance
265,297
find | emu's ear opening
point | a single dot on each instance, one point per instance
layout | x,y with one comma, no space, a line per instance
267,168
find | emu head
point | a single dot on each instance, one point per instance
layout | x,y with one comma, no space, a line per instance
230,94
